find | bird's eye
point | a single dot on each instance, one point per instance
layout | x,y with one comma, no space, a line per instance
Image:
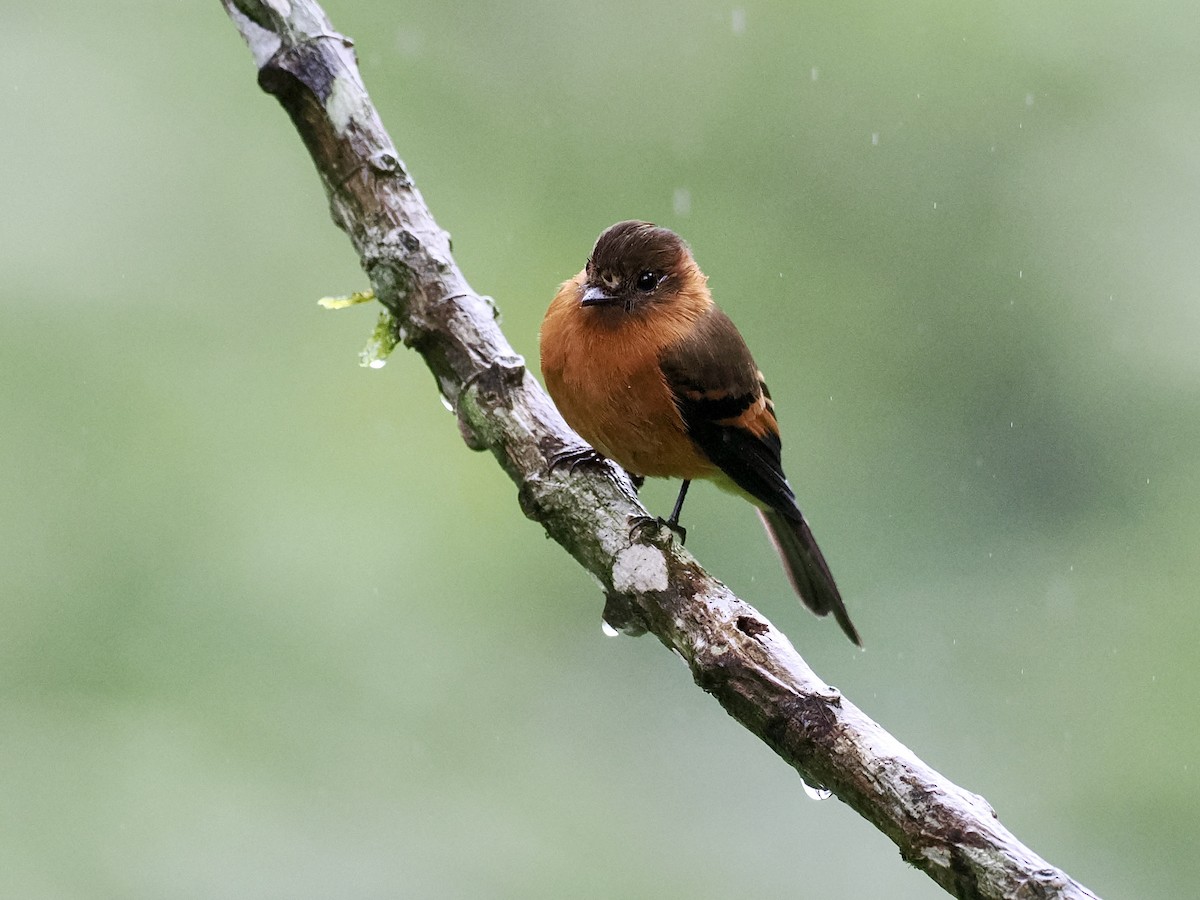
648,281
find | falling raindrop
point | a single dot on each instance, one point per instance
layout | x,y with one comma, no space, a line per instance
874,138
737,19
682,201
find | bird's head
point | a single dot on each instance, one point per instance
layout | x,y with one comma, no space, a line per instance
637,266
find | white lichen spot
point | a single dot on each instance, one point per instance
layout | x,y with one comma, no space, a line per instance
345,103
640,568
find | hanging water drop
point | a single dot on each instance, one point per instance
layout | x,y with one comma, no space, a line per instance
446,402
816,793
607,630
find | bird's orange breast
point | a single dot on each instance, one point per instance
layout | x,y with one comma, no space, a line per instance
601,367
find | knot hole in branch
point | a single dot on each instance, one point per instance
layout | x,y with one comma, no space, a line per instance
311,64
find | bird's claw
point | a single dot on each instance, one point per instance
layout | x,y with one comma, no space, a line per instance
639,524
582,456
574,457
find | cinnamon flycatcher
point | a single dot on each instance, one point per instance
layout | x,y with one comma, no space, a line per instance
652,374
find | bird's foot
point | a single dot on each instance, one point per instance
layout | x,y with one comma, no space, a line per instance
583,456
639,524
576,456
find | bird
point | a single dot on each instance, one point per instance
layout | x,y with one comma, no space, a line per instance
654,376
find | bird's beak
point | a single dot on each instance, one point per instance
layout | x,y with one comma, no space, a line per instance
596,296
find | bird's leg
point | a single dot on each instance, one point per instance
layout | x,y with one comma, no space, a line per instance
673,522
638,523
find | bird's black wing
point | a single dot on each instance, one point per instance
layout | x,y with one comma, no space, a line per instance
728,412
727,409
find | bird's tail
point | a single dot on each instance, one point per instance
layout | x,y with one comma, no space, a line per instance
806,568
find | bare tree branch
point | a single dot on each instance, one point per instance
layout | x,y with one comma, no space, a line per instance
652,585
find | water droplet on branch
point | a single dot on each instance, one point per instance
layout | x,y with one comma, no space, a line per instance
816,793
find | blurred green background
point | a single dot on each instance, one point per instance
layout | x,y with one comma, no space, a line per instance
270,630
